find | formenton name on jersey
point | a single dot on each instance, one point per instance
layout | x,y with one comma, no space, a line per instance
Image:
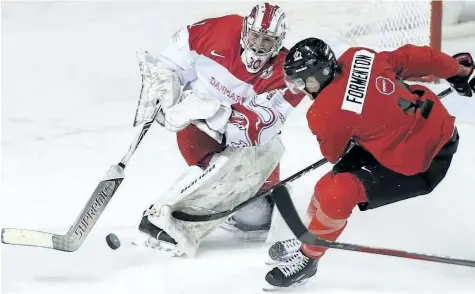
358,80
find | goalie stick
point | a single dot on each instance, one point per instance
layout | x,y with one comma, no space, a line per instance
93,209
287,209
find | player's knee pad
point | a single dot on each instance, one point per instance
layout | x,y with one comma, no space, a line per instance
337,195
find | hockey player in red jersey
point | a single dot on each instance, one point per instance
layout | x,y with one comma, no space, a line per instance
388,141
221,87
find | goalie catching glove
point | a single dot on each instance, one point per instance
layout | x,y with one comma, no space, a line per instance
179,108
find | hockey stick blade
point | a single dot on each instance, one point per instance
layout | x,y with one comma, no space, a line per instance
181,215
287,209
76,235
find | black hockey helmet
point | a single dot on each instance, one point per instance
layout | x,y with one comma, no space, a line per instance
308,62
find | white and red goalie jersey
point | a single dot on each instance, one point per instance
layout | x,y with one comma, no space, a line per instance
206,57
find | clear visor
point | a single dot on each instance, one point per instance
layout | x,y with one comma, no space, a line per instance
295,85
260,43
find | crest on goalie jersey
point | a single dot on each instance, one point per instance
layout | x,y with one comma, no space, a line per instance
254,128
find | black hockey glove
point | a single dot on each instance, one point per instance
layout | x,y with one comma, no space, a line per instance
462,84
472,84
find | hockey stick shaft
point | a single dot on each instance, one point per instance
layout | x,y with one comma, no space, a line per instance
89,215
287,209
218,215
139,137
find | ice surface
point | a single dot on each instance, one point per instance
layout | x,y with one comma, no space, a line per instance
70,86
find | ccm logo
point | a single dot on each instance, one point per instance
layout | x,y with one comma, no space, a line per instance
385,86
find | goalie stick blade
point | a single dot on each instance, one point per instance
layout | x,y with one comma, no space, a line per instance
27,238
287,209
78,232
31,238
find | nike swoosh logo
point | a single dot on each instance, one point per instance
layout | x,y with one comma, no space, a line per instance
198,24
216,54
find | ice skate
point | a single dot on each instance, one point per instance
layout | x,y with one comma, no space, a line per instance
281,251
295,272
156,238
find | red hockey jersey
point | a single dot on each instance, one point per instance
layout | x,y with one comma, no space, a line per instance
367,103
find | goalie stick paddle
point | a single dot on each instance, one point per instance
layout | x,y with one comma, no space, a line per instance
287,209
93,209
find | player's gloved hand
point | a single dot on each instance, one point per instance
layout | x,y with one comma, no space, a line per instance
471,84
460,82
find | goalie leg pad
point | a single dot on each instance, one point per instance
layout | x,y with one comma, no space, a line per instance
232,177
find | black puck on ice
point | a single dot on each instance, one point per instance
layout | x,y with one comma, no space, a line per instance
113,241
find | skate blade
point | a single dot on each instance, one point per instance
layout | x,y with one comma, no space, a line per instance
251,236
271,288
256,236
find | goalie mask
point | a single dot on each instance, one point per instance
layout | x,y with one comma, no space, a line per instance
262,35
309,67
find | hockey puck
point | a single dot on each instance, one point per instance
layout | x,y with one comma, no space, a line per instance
113,241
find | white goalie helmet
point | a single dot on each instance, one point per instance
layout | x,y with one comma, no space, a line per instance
262,35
